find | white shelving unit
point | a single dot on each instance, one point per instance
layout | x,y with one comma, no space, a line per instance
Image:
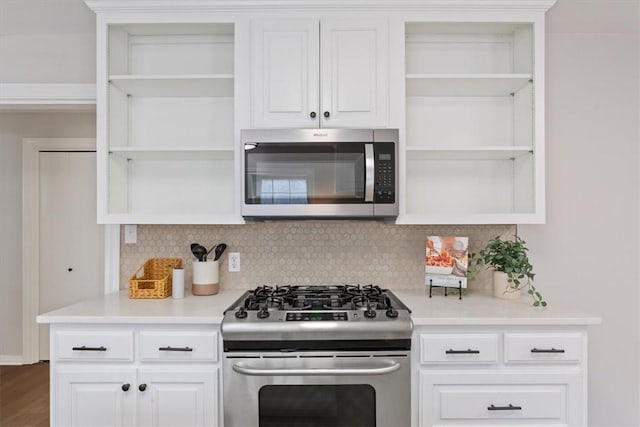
169,149
470,146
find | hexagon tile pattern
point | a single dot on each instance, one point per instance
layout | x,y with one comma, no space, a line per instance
308,252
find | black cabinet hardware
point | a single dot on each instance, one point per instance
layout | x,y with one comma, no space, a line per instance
312,114
142,387
467,351
169,348
326,114
85,348
504,408
69,269
547,350
125,387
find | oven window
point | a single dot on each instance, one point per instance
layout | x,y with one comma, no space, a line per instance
317,406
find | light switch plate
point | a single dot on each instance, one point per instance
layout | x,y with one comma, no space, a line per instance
130,233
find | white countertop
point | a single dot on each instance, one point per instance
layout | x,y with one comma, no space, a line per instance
119,308
483,309
473,309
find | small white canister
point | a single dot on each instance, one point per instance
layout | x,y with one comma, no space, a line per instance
205,278
177,283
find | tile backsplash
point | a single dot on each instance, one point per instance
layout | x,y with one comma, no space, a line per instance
308,252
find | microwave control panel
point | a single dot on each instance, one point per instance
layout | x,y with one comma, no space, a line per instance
385,184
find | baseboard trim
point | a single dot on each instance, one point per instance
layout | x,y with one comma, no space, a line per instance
9,359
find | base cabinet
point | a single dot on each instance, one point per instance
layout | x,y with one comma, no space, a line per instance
172,379
517,376
178,398
488,398
94,397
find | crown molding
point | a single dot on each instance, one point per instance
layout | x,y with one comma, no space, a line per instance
21,96
174,6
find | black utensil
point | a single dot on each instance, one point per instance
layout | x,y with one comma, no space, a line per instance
219,250
199,251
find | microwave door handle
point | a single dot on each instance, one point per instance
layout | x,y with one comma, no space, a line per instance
369,173
385,368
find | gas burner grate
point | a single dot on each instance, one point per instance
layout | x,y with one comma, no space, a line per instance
338,297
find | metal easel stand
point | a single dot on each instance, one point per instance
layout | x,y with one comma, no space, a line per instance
431,286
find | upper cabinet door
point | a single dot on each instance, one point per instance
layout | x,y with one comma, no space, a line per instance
285,73
329,73
354,73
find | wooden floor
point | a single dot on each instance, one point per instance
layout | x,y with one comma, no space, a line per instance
24,395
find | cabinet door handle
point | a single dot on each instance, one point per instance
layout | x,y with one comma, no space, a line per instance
85,348
142,387
125,387
547,350
169,348
326,114
312,114
504,408
467,351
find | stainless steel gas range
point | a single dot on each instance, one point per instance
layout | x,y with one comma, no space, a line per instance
317,356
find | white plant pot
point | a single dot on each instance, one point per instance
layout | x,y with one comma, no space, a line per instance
501,288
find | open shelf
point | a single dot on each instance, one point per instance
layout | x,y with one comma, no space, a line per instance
130,153
175,85
470,153
465,84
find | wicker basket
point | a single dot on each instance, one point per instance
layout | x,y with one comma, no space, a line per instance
153,279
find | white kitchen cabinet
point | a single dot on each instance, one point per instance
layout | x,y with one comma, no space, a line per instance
166,122
173,398
95,397
173,378
525,376
474,137
463,82
312,72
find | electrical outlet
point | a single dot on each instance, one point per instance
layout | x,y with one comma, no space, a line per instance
234,262
130,233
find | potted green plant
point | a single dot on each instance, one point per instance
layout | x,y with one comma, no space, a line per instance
512,270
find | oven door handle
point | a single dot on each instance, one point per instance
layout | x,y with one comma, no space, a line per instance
386,367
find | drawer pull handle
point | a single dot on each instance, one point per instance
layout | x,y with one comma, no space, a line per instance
504,408
85,348
547,350
467,351
126,387
169,348
142,387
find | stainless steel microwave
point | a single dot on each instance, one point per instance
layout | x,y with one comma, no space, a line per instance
320,173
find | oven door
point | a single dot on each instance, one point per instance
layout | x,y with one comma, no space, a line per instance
309,178
317,389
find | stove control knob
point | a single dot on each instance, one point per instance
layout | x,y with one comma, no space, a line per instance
263,313
241,313
392,313
370,313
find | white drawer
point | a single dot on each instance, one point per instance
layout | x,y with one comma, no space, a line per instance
458,348
539,404
179,346
543,347
94,345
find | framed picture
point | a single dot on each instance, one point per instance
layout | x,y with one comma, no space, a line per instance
446,261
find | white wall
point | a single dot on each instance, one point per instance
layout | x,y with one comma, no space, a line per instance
587,252
13,128
52,58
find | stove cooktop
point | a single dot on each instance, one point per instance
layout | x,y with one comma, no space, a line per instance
317,313
367,298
